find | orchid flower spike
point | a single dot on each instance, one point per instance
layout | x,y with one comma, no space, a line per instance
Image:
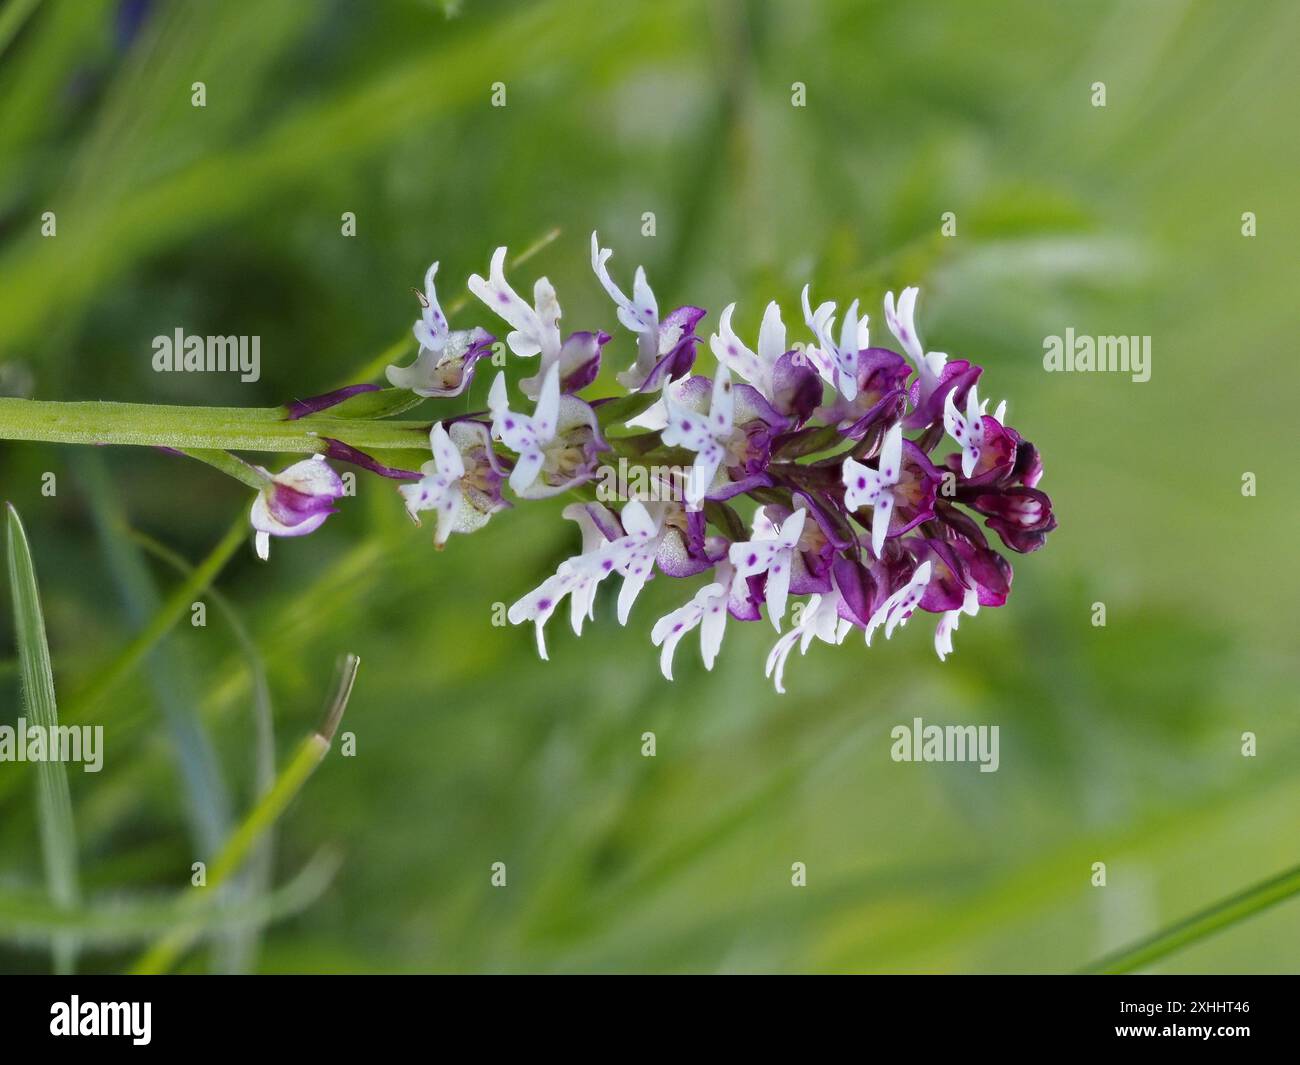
294,502
774,441
864,486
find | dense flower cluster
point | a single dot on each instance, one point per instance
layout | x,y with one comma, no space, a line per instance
833,440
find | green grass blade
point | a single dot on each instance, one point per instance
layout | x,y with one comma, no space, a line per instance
1198,926
306,758
54,801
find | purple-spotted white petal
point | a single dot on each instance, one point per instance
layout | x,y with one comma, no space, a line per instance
536,328
901,319
900,606
967,430
864,486
525,434
705,434
771,551
837,361
707,610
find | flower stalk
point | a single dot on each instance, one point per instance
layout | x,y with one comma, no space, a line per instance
186,428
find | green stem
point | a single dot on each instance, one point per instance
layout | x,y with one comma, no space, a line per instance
1200,925
310,753
231,465
197,428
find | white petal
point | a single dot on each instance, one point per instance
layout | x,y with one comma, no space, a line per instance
723,404
732,352
778,587
546,417
445,454
703,472
714,625
771,336
891,455
792,527
880,518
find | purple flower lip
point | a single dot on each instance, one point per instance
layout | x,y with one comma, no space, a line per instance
292,507
958,377
678,360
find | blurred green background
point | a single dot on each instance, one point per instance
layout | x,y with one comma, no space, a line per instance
1119,744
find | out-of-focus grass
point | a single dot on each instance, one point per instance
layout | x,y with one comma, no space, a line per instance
1119,744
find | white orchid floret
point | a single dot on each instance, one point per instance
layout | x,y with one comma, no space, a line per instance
864,486
948,623
967,430
631,555
640,314
444,365
582,599
439,489
754,367
900,318
707,610
706,434
431,330
527,435
837,362
771,551
819,619
900,606
462,482
294,502
536,328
